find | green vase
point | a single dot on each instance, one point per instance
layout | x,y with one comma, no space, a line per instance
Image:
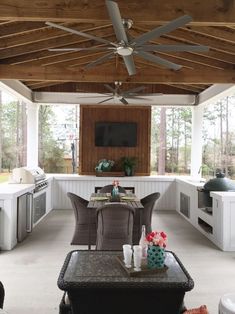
128,171
155,256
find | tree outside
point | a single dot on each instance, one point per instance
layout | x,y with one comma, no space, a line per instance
57,133
171,140
219,138
13,138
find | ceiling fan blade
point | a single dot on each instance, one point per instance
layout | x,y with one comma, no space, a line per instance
116,19
134,90
174,48
112,90
73,31
98,96
105,100
130,65
124,101
82,49
152,58
137,97
162,30
100,60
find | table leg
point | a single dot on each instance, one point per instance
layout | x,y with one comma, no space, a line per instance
89,229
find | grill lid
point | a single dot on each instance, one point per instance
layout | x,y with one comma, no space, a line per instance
27,175
220,183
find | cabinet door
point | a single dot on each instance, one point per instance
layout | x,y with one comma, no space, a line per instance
1,224
218,222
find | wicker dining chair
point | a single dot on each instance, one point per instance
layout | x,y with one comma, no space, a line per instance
114,226
82,221
148,202
109,188
2,295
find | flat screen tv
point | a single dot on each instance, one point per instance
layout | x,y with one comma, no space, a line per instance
116,134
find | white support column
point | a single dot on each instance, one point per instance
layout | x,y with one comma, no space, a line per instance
197,142
32,135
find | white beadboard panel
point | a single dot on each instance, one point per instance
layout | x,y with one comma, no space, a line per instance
85,185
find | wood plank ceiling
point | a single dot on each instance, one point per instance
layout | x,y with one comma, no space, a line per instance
25,40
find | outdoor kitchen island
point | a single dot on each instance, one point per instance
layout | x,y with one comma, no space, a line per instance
177,193
216,219
10,195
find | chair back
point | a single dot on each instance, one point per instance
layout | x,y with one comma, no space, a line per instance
85,221
79,205
114,226
149,202
2,295
109,188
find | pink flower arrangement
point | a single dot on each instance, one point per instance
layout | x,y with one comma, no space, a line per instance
115,183
156,238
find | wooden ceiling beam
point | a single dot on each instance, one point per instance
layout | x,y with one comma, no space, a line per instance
107,74
221,33
99,88
197,38
34,85
41,43
16,28
210,12
201,58
46,33
187,87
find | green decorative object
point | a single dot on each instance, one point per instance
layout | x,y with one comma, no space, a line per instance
104,165
155,256
115,197
128,165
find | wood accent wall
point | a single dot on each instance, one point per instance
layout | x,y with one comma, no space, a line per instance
89,154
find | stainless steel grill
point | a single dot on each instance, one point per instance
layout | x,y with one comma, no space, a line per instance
26,175
35,176
41,186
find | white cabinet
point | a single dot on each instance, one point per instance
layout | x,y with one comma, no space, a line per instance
186,200
216,223
1,223
49,196
219,225
8,215
224,220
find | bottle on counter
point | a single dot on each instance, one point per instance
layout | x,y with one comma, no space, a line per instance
143,243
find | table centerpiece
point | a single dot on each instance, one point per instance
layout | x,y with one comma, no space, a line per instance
156,241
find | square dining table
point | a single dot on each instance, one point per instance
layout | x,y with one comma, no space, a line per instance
100,199
96,282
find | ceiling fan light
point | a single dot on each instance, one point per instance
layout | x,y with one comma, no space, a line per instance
124,51
127,23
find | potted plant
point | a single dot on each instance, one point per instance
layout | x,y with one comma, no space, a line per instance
104,165
128,165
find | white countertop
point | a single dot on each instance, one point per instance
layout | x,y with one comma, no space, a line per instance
223,194
61,176
9,190
194,182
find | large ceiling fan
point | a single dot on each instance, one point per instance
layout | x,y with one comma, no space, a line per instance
127,47
122,96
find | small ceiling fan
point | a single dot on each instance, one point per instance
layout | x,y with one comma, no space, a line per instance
127,47
122,96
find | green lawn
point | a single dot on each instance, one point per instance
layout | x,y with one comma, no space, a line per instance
4,177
